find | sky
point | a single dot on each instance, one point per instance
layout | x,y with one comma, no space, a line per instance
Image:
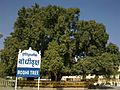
103,11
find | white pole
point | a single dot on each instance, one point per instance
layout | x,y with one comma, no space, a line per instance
16,84
38,83
40,67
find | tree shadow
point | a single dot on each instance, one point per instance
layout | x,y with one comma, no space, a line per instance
100,87
59,88
58,85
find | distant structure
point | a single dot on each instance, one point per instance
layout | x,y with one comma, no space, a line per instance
1,35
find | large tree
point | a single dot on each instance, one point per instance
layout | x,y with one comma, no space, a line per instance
35,27
63,39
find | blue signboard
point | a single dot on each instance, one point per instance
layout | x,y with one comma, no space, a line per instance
28,72
28,64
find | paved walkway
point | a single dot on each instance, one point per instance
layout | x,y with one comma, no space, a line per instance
27,88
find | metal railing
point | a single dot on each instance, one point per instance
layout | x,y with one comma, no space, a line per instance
25,83
52,84
6,83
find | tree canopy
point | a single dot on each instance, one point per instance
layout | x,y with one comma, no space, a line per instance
69,46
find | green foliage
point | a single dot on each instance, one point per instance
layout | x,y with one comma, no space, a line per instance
61,36
52,61
92,37
108,64
112,48
84,67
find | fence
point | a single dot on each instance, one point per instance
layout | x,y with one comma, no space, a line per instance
6,83
22,83
52,84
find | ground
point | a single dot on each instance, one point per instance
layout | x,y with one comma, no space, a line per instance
27,88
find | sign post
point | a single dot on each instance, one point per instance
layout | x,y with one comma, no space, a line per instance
28,64
16,84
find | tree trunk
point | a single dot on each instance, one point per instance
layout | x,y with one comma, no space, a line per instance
56,76
59,76
84,77
96,78
52,77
